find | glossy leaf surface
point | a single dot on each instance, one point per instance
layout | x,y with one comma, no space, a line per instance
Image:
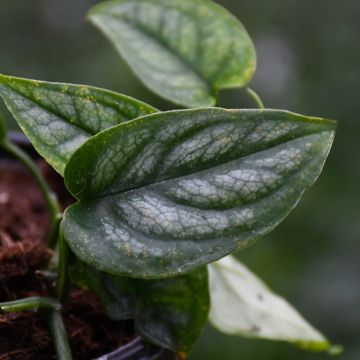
184,50
170,192
170,313
58,118
241,304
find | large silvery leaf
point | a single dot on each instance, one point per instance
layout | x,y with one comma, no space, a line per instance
167,193
58,118
184,50
241,304
169,312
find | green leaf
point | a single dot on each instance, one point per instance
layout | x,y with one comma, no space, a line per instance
115,292
58,118
184,50
170,192
166,312
241,304
2,129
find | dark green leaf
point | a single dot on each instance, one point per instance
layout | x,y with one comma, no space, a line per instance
167,193
170,312
184,50
58,118
115,292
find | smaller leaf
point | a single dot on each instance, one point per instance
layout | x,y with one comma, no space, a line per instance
241,304
184,50
2,129
59,118
170,313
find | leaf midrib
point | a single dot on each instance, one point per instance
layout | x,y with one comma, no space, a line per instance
272,146
64,119
163,44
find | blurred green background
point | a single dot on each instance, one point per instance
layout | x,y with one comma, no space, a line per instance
308,62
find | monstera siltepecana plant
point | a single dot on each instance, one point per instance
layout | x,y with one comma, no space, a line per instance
164,197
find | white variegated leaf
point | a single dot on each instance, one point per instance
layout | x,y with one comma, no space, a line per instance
243,305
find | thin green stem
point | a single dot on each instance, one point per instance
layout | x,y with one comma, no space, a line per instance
2,129
216,94
30,304
63,275
256,98
49,196
60,337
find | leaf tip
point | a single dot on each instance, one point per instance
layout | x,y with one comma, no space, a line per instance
335,350
182,355
95,10
333,124
321,346
90,15
329,123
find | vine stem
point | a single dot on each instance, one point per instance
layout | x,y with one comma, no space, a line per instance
49,196
30,304
59,335
256,98
56,324
63,275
